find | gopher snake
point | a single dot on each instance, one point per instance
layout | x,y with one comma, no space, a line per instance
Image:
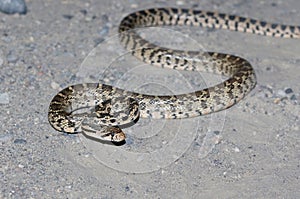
109,108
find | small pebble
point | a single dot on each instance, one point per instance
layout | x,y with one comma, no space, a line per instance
21,166
4,98
293,97
281,93
277,100
68,16
69,186
13,6
273,4
134,5
104,31
105,19
20,141
288,91
55,85
236,149
296,128
12,57
5,138
83,11
180,3
127,188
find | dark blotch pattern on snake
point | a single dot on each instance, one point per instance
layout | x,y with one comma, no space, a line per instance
108,108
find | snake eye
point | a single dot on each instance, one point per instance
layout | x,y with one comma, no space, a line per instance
112,135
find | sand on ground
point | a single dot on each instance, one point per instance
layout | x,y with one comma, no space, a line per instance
248,151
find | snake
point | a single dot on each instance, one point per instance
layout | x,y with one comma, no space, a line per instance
101,111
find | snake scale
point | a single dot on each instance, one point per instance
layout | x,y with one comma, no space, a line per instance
100,111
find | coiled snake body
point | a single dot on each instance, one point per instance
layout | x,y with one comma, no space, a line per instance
109,108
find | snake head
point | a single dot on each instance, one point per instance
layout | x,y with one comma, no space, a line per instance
104,133
115,134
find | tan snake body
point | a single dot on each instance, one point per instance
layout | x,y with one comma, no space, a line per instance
109,108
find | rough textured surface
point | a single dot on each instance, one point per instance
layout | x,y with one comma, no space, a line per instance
257,149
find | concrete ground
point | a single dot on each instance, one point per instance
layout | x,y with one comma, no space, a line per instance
248,151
